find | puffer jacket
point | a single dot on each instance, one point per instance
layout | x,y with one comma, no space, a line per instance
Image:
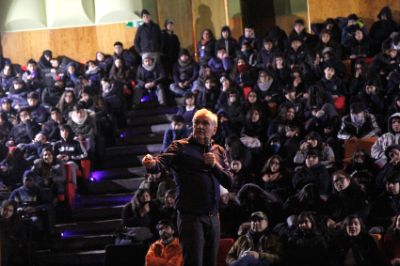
384,141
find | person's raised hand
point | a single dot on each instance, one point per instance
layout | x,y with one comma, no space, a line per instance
148,161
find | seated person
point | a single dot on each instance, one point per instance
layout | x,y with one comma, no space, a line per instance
358,124
34,149
13,236
306,245
178,130
167,210
33,76
347,198
166,250
33,205
141,211
221,63
51,127
69,150
314,141
38,113
391,242
389,138
83,125
149,78
51,174
52,94
312,172
387,204
257,247
188,109
25,130
185,72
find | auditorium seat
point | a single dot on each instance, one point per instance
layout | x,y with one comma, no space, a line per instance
225,245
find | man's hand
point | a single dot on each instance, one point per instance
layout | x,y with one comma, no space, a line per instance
149,161
209,159
253,254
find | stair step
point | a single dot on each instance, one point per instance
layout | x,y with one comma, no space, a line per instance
126,161
114,185
149,120
97,213
82,258
87,227
153,111
117,173
132,150
111,199
147,138
140,130
83,242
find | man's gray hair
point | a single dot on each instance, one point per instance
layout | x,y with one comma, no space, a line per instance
207,113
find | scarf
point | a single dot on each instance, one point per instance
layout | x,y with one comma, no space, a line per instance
265,86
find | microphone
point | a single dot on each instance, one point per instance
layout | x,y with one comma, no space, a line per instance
207,145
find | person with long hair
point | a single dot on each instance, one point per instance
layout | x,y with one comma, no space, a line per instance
354,245
206,46
391,242
275,178
306,246
66,103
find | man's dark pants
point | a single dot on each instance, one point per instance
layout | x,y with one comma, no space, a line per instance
199,237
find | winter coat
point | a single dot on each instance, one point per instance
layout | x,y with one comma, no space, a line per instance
148,38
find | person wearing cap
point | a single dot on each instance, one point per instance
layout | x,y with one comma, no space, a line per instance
257,247
149,77
227,42
312,172
148,35
178,130
386,61
347,198
358,124
166,250
199,167
185,72
170,46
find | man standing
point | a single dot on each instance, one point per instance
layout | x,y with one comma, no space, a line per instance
148,35
165,251
199,168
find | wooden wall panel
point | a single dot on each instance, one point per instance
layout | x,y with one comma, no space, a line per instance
181,13
209,14
80,43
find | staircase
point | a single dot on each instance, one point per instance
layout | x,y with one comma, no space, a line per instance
83,235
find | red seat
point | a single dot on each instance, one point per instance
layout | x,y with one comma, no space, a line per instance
86,166
70,189
225,245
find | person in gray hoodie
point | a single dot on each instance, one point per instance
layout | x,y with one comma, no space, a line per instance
387,139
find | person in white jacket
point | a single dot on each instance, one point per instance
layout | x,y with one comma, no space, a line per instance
387,139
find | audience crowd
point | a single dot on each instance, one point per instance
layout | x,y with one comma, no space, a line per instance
310,123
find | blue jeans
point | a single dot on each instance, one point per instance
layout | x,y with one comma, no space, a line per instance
250,261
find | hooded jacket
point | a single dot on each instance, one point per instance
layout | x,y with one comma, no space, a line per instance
382,29
384,141
229,42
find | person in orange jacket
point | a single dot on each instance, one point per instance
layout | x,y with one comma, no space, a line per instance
166,251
